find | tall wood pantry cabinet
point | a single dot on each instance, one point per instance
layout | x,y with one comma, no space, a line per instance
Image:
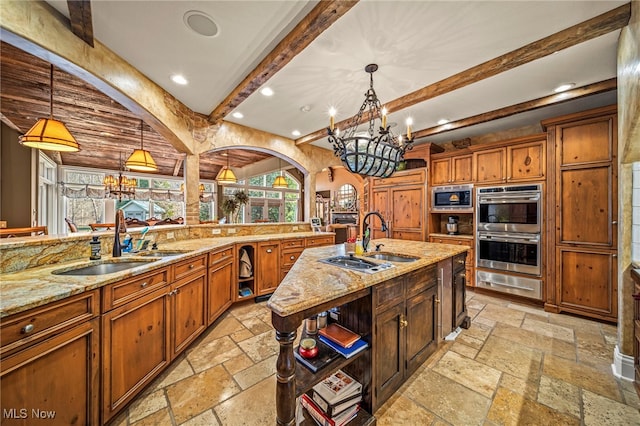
582,265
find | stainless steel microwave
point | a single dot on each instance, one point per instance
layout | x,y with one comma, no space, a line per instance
452,198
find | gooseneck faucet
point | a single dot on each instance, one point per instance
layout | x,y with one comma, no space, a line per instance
120,226
366,231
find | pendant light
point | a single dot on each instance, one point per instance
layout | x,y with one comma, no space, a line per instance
48,133
280,182
226,175
141,159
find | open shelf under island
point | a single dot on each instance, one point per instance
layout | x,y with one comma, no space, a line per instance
404,311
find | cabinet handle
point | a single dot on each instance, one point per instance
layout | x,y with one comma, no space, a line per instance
403,322
460,262
27,329
614,222
192,266
269,250
614,255
143,285
292,257
636,296
437,300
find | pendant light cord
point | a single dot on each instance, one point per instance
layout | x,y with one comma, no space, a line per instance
51,93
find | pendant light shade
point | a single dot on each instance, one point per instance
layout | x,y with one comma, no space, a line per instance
280,182
50,134
141,159
226,175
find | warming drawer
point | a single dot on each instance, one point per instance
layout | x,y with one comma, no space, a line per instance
519,286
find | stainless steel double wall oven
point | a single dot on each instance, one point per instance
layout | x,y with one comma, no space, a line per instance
508,243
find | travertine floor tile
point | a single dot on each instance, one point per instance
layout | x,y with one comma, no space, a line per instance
474,375
142,407
241,335
161,417
261,346
502,314
256,325
517,360
509,408
526,388
549,330
469,340
528,309
534,340
448,399
176,372
254,406
399,410
195,394
464,349
478,330
237,364
599,410
561,396
582,376
224,326
257,372
211,353
205,419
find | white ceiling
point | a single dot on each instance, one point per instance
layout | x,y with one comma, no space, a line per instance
415,43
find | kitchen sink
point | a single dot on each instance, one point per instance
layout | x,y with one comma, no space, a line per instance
104,267
392,257
162,253
356,263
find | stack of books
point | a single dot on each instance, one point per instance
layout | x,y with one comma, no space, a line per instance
335,400
344,341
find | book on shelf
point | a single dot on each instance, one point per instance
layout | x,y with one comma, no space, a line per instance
336,409
325,356
338,387
356,348
322,418
340,335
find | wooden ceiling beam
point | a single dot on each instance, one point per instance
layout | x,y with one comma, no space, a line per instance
176,168
600,25
81,20
321,17
558,98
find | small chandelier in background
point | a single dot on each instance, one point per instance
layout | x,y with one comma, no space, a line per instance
366,153
280,182
121,185
48,133
141,159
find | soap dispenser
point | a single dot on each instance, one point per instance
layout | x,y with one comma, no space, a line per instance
95,248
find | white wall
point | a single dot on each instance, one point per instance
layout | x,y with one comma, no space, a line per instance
635,250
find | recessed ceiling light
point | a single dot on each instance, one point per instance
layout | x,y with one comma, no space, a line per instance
443,121
238,114
296,133
267,91
179,79
201,23
305,108
564,87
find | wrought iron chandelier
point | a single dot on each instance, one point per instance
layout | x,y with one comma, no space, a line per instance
368,153
121,185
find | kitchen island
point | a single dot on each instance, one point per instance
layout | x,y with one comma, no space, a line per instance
395,310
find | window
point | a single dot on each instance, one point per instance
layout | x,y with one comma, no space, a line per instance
47,201
346,198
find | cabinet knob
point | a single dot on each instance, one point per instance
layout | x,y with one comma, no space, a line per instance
437,300
614,222
269,250
192,266
292,257
403,322
614,255
143,285
27,329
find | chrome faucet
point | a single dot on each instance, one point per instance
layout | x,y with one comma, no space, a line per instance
366,231
120,226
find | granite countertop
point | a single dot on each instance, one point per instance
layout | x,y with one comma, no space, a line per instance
310,282
29,288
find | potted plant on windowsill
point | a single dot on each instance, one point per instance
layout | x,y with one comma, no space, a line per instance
231,205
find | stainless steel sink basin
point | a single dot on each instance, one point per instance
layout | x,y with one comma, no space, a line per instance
393,257
162,253
356,263
105,267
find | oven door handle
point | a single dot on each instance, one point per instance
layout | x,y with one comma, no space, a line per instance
506,238
508,198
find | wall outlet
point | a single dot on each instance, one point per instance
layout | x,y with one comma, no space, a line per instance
231,231
170,235
295,228
216,231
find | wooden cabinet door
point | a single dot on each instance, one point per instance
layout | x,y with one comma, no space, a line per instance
58,377
462,169
380,203
421,328
459,290
526,162
408,208
268,267
188,313
489,165
441,171
587,281
219,290
390,352
135,347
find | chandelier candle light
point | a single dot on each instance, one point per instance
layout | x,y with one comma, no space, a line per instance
366,153
122,185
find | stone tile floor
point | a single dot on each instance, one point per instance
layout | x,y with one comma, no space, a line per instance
515,365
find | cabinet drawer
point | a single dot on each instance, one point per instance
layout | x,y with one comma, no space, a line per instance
320,241
289,257
455,241
388,294
459,261
191,266
42,322
402,178
292,243
125,291
220,256
421,279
